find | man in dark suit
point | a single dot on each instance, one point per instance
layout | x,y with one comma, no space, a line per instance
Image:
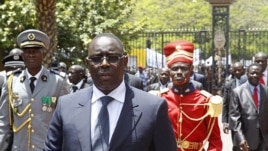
238,72
163,80
261,59
248,112
77,77
135,120
133,80
199,78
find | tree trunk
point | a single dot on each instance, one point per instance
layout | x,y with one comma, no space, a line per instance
46,22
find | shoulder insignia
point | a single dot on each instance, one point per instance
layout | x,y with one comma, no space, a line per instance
44,78
22,79
206,93
62,74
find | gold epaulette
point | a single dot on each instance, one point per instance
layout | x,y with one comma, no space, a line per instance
214,103
206,93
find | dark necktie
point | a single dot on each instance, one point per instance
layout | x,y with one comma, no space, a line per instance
32,86
101,140
255,96
75,88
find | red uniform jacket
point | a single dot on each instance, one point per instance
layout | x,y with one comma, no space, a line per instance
195,126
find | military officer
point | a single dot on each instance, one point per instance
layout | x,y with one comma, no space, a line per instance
29,96
193,113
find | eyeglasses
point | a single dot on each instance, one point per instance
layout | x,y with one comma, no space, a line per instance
109,58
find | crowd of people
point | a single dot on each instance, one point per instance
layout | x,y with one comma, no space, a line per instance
104,107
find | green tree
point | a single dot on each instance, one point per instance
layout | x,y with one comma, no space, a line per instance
77,22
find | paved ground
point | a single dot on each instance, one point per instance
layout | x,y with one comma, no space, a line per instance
226,138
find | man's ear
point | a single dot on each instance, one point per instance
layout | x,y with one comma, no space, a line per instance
126,60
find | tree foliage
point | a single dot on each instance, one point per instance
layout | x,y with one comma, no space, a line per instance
77,23
166,14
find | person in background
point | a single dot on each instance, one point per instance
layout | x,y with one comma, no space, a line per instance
163,78
110,115
77,78
54,64
193,113
152,77
29,96
238,79
133,80
143,76
63,67
199,78
261,58
248,112
11,62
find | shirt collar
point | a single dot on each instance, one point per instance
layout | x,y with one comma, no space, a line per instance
118,93
251,87
36,76
79,84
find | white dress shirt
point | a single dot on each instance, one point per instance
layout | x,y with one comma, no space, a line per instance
78,85
36,76
114,107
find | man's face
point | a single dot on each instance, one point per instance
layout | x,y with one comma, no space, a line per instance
238,71
33,58
75,75
164,76
107,73
254,74
180,73
262,60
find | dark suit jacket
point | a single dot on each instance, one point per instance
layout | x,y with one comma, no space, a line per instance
133,81
156,86
143,124
245,121
85,84
200,78
226,97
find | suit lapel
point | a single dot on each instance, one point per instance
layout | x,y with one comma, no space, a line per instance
82,126
128,120
233,84
263,99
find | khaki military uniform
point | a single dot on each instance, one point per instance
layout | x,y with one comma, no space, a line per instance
29,113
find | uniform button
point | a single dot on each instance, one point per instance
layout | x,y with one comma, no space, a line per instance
32,115
32,99
32,130
33,146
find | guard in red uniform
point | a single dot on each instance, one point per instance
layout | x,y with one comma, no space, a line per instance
193,113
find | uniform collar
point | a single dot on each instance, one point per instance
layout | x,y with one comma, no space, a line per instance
186,90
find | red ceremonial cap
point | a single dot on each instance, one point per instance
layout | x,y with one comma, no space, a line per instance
179,51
